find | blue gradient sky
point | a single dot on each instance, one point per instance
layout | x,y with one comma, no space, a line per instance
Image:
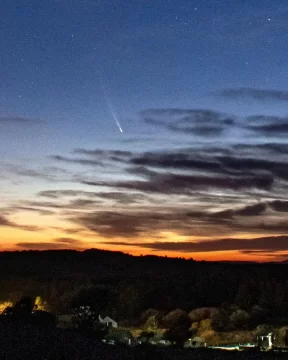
59,58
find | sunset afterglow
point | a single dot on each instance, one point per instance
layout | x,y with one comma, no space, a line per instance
152,134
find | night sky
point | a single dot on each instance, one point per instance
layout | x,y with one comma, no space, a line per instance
150,127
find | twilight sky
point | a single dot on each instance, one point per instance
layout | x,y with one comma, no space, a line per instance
150,127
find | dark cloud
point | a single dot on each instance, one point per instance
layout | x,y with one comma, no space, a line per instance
113,224
276,168
141,140
269,244
122,198
33,228
188,159
178,160
125,223
17,120
141,171
29,173
169,183
119,197
95,157
257,252
45,204
249,210
70,231
200,122
208,160
90,201
40,246
278,129
82,203
78,203
261,149
256,94
48,173
56,244
77,161
32,209
268,225
68,241
207,123
104,153
131,224
55,194
279,205
5,222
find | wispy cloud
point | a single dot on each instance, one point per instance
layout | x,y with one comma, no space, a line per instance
272,129
17,120
183,220
279,205
269,244
78,161
203,123
249,210
200,122
256,94
57,244
169,183
51,174
207,189
4,222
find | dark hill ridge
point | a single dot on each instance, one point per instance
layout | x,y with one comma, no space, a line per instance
137,283
66,263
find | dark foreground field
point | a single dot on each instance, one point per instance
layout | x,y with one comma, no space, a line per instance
27,342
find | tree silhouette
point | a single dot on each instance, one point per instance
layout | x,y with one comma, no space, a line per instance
94,297
24,307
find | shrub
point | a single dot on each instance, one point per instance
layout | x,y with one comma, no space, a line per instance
176,318
239,319
220,320
200,314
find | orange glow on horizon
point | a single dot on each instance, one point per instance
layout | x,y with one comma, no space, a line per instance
52,231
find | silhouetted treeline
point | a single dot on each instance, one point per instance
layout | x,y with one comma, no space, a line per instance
134,284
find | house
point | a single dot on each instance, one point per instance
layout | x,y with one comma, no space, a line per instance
195,342
265,342
108,321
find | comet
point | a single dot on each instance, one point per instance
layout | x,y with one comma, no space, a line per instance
110,104
113,112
